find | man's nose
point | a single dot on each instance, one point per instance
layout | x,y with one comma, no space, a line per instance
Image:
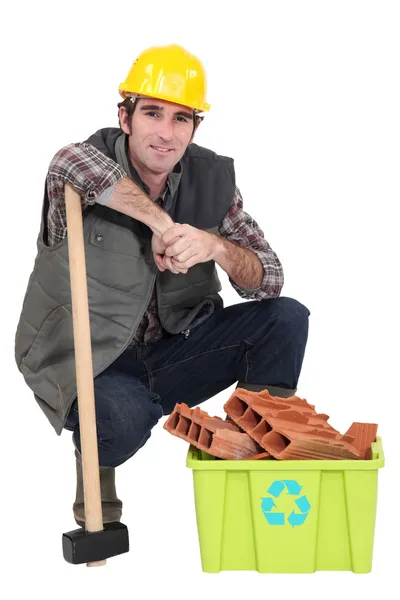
166,130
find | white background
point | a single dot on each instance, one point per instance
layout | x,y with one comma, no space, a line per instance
305,97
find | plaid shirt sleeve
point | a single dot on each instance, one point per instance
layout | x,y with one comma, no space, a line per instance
240,228
88,170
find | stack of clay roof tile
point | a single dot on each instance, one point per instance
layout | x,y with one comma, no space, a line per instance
260,426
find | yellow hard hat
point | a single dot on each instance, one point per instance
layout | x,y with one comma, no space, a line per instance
170,73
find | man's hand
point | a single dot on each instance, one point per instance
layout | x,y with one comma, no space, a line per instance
186,246
162,261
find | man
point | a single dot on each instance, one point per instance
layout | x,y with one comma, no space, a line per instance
159,213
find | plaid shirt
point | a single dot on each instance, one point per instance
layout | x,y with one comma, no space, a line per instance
94,175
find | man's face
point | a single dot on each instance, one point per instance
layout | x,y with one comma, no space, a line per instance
160,133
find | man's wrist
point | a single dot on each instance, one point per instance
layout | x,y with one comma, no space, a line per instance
161,223
219,248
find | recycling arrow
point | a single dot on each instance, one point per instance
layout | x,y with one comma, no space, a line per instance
276,488
296,519
293,488
303,504
275,518
267,504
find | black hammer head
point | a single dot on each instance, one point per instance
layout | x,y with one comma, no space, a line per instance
80,546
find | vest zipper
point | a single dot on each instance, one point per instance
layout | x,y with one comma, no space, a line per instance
186,333
138,323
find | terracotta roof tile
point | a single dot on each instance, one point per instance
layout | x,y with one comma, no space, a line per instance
219,438
288,428
364,434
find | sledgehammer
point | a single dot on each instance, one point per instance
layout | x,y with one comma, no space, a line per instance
94,544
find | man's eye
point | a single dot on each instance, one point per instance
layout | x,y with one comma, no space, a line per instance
182,119
152,113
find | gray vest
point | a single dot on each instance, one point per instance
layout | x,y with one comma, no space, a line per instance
121,274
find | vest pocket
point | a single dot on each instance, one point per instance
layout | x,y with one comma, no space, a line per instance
114,257
114,238
54,337
49,365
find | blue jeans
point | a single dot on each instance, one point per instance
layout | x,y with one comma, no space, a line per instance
260,343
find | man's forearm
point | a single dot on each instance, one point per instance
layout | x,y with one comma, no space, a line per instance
129,199
242,265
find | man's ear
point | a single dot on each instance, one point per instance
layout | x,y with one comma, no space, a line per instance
124,121
197,121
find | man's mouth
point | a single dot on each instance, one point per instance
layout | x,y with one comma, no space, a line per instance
161,149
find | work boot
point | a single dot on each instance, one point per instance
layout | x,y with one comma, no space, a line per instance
111,505
274,390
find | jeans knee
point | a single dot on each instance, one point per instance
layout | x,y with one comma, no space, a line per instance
290,313
123,428
127,434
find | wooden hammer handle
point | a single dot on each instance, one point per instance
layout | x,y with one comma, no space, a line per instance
83,364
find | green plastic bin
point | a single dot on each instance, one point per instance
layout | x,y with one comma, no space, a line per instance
294,516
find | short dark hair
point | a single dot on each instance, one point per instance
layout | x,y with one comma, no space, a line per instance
129,107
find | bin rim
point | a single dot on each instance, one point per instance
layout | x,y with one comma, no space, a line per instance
199,460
